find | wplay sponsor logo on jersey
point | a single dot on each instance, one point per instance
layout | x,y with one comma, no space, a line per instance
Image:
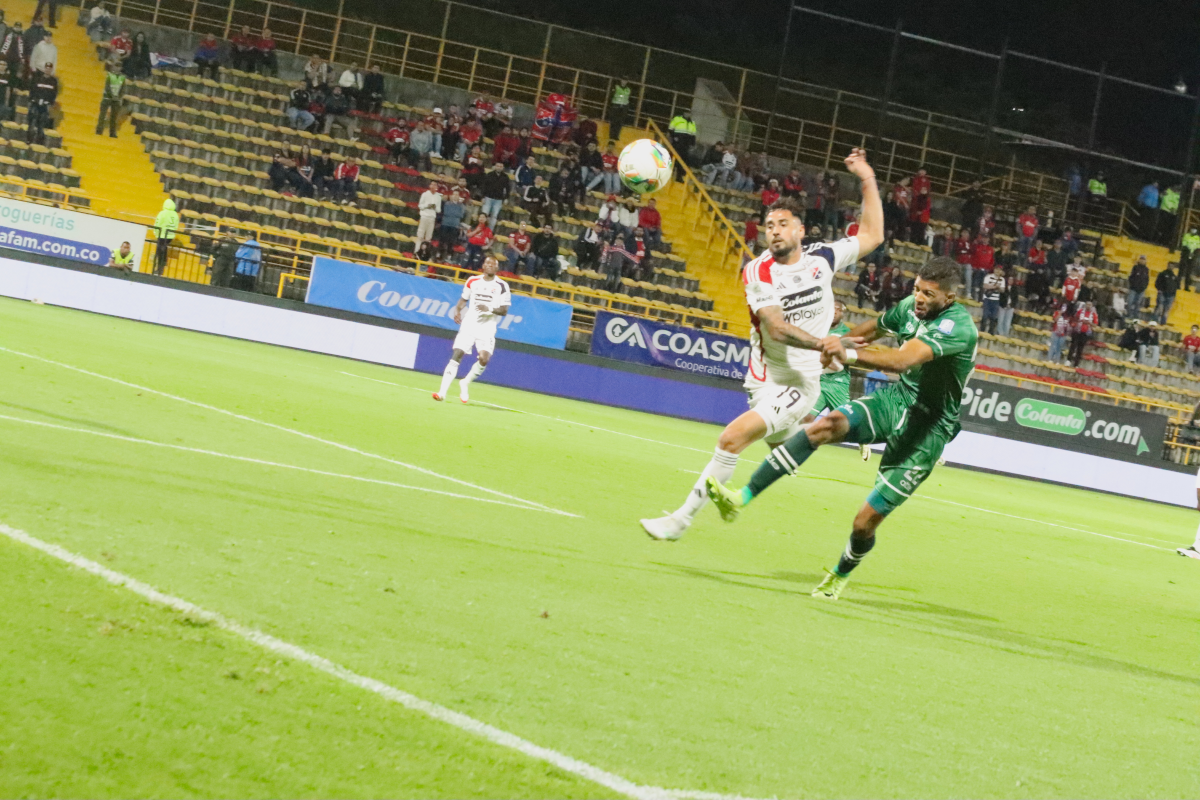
652,343
1075,425
425,301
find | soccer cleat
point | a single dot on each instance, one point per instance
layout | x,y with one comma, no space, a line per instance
463,394
1189,552
664,529
864,450
438,397
728,501
831,587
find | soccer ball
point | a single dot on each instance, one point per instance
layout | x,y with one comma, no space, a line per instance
644,166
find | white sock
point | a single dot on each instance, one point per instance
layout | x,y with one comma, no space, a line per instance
475,372
720,467
448,376
1196,544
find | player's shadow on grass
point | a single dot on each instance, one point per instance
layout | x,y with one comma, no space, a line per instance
81,421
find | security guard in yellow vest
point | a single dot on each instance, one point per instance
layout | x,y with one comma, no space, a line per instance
618,109
1189,250
682,132
122,259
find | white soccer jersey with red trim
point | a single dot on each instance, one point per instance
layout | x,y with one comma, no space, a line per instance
493,294
804,291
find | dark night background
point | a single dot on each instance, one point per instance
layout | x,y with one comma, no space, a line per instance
1155,41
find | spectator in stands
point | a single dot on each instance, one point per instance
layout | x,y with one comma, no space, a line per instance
371,99
986,224
43,94
639,250
265,59
243,54
793,184
921,181
536,200
454,212
1130,338
165,226
504,147
1056,263
337,112
918,217
34,34
585,131
1148,349
1070,242
618,107
867,289
208,57
610,213
1147,201
1166,284
45,52
282,173
420,144
323,169
1027,231
1008,299
812,236
589,246
8,95
972,206
650,221
249,259
13,51
122,259
1139,280
751,234
519,247
470,134
138,64
1071,286
297,109
608,177
305,171
1189,251
524,146
429,205
1037,283
993,287
831,192
52,9
896,210
494,188
682,133
565,190
524,175
479,239
721,173
111,97
1191,346
960,251
345,182
591,163
224,260
1081,331
101,24
120,47
1060,331
316,73
351,84
545,254
396,137
472,169
627,217
769,195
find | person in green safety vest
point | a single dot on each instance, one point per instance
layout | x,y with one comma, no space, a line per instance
1097,194
1189,250
682,132
618,109
1168,208
165,225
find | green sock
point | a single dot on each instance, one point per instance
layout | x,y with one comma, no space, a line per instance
784,460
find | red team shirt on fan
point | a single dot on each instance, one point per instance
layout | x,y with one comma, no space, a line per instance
1028,225
804,291
520,242
610,162
1071,288
1191,342
1085,319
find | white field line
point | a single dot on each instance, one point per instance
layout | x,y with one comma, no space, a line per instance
799,472
275,464
292,431
438,712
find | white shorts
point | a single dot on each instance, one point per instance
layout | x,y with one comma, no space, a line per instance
482,338
783,408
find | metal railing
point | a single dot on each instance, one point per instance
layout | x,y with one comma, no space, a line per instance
837,124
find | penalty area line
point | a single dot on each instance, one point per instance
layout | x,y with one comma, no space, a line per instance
497,736
277,465
293,431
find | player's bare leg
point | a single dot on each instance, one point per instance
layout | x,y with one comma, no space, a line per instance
1194,550
476,371
448,375
737,436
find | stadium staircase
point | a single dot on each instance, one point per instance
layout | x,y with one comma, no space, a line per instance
1124,252
115,173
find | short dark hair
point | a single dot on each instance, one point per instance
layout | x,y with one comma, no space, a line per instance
789,204
942,270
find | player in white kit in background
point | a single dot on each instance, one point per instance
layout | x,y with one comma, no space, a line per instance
485,299
790,293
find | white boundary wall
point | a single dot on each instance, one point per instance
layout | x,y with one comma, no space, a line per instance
260,323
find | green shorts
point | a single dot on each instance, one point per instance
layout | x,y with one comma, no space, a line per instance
834,394
914,442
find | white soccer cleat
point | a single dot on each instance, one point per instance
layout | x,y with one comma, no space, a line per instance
864,452
463,395
664,529
438,397
1190,552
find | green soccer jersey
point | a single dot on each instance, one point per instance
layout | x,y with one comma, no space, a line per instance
842,377
937,385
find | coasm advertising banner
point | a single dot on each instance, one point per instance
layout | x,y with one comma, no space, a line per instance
1063,422
652,343
66,234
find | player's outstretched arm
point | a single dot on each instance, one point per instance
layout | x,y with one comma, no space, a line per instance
870,227
780,330
912,354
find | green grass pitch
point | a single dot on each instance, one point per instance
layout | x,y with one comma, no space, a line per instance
1004,639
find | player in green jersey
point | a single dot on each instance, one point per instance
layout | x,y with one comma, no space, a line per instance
835,381
915,417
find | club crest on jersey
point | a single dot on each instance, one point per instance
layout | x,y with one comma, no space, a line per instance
946,326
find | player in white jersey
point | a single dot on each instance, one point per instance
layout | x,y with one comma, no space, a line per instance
484,300
789,290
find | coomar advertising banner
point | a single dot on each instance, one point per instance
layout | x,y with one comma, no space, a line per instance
1063,422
